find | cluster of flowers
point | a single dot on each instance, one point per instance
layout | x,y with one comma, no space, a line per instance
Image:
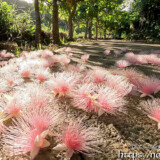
116,52
146,86
5,54
29,114
139,59
30,89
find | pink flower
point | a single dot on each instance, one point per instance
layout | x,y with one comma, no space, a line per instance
13,107
84,97
77,138
133,76
120,84
25,71
152,109
75,68
39,96
41,119
46,53
149,86
63,83
29,132
131,57
109,101
140,59
21,139
85,57
98,75
49,61
117,53
42,75
70,55
124,49
122,63
65,60
12,79
68,50
107,52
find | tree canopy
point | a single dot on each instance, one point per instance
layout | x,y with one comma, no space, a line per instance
79,19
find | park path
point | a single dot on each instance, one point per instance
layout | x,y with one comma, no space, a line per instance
97,58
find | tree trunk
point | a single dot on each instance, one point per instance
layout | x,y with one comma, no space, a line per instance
86,32
38,24
70,25
105,26
55,30
96,30
90,29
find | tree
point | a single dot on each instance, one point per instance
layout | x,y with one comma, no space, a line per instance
70,6
38,23
55,24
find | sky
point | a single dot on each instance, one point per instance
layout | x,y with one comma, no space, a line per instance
29,1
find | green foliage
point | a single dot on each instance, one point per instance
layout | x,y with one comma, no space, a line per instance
147,19
142,21
14,26
5,19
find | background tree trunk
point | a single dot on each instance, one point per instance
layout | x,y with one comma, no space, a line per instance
96,29
86,32
105,26
70,25
38,24
55,30
90,29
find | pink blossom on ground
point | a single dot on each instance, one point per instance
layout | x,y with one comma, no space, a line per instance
70,55
65,60
77,138
120,84
46,53
85,57
42,74
12,79
97,75
110,101
84,97
122,63
149,86
42,119
38,96
140,59
21,139
75,68
131,57
68,50
152,109
28,134
117,53
107,52
63,83
49,62
13,107
133,76
124,49
25,71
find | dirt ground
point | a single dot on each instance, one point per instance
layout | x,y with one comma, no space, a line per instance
127,136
